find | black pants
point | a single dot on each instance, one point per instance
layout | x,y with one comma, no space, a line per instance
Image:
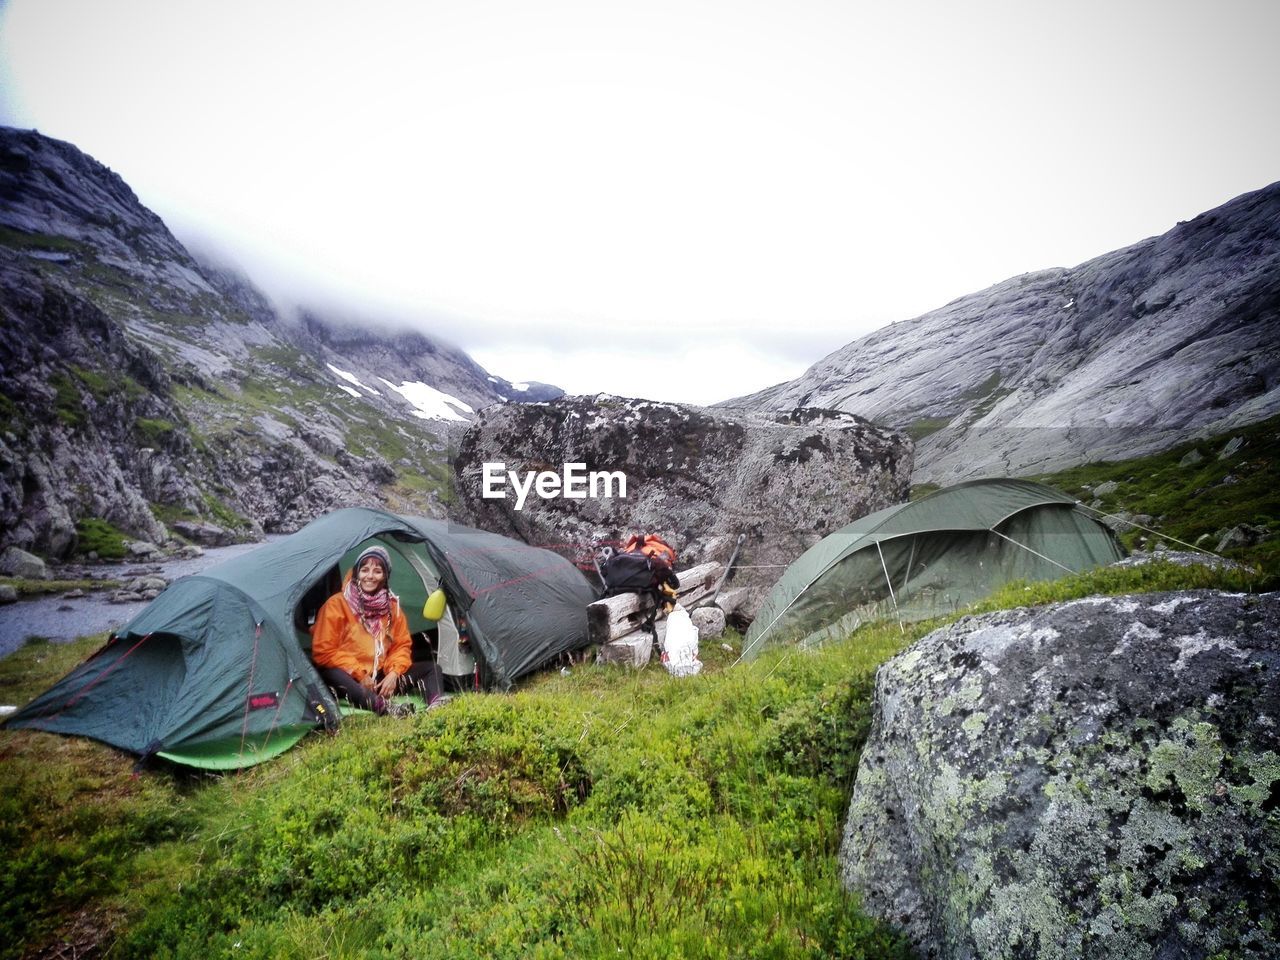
423,677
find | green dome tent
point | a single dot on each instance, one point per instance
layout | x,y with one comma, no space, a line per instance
215,671
930,557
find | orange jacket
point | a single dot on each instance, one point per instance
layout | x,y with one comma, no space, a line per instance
339,639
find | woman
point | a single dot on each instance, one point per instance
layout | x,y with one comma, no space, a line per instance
360,642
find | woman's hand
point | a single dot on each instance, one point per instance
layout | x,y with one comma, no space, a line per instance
387,686
367,681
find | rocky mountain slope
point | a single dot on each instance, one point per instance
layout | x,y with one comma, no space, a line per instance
145,388
1121,356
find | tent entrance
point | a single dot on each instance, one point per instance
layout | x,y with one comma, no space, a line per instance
414,576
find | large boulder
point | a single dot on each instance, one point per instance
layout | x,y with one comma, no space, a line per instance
1094,779
19,563
700,478
208,534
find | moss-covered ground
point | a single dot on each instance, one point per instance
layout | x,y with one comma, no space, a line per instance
598,813
1193,492
602,813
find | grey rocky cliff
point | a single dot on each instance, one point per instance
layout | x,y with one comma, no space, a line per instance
1098,778
142,385
696,476
1121,356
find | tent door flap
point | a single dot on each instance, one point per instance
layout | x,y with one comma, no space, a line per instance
450,655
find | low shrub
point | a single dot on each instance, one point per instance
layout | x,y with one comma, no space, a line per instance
95,535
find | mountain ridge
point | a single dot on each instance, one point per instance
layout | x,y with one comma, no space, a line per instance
146,386
1124,354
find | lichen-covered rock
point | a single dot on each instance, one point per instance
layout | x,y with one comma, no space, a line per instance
698,477
1094,779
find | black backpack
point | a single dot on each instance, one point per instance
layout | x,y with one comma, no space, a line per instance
638,571
634,571
631,572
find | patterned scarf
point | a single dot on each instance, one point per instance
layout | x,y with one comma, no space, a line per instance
373,610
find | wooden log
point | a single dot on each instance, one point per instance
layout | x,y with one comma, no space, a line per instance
631,651
657,640
614,617
698,583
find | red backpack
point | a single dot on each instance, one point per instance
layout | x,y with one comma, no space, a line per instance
653,547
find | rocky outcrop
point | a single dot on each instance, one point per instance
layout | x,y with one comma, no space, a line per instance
1124,355
698,477
19,563
1094,779
139,384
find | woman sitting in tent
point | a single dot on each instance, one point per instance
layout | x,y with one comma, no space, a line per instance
360,643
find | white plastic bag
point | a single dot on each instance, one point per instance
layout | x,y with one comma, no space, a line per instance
680,648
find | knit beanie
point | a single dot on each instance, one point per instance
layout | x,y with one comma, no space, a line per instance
378,553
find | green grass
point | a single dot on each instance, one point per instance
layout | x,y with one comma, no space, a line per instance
224,515
1197,502
602,813
988,393
917,430
154,433
36,588
71,386
38,241
97,535
67,404
99,384
288,359
169,513
1154,577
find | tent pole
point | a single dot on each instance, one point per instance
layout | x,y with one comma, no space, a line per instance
420,568
889,582
1029,550
765,631
910,560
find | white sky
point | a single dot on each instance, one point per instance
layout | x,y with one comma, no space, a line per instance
684,200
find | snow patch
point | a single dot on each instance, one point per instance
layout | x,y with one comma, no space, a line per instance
431,404
351,390
352,379
521,387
